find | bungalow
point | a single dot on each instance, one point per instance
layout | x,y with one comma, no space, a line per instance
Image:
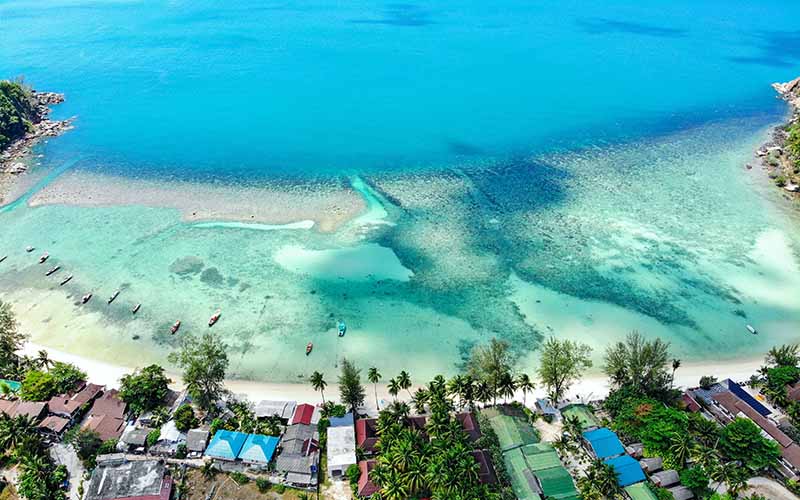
28,409
105,426
366,488
53,425
651,465
546,408
627,470
470,425
486,472
69,405
139,480
226,445
299,456
341,450
665,479
681,493
196,441
367,434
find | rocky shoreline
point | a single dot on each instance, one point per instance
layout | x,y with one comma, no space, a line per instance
780,156
14,158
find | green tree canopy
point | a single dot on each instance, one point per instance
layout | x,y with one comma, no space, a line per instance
561,363
639,363
204,362
351,392
742,440
491,364
38,386
144,390
66,376
784,355
11,341
184,418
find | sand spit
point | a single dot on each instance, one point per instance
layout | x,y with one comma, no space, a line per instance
328,204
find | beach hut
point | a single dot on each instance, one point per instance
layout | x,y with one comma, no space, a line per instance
366,488
226,445
367,434
627,470
681,493
546,408
604,443
305,414
196,441
470,425
665,478
651,465
258,450
341,450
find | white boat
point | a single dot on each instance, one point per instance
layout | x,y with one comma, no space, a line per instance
114,296
4,257
752,330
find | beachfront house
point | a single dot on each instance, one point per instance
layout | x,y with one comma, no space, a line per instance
341,451
72,405
168,440
305,414
284,410
298,455
28,409
134,439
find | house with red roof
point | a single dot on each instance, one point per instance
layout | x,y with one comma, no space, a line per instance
69,405
366,488
367,434
305,414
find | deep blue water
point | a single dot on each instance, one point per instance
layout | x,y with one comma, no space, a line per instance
247,89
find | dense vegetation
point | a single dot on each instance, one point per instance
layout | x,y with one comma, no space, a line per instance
20,443
41,384
144,390
17,111
204,361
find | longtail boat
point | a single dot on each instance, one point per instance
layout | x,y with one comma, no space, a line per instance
52,271
136,308
65,280
113,296
214,318
175,327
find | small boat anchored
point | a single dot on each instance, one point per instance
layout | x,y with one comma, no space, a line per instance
86,298
65,280
29,249
175,327
342,328
52,271
4,257
136,308
113,296
752,330
309,347
43,258
214,318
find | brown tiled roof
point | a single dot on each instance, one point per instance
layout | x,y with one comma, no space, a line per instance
8,407
791,454
106,427
470,425
108,405
793,392
30,409
486,472
54,423
366,487
68,404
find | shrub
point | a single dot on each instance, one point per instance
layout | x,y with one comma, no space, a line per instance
239,478
184,418
263,484
152,437
181,451
353,474
780,181
707,381
742,440
280,489
37,386
107,447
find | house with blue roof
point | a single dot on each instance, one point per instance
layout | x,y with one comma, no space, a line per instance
345,421
604,443
627,469
226,445
258,449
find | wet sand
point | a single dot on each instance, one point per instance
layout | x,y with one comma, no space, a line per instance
329,204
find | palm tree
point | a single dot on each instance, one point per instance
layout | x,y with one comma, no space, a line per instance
483,392
723,473
506,386
676,363
525,384
43,360
573,427
455,387
419,400
374,376
681,447
400,409
394,388
319,384
208,470
404,381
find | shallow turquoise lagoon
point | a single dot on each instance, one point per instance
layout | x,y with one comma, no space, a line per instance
527,170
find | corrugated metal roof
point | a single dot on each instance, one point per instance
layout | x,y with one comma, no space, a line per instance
604,442
226,444
258,448
627,469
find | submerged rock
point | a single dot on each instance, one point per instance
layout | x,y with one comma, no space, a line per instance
212,276
187,265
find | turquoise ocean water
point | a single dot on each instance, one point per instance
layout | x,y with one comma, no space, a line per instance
533,168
